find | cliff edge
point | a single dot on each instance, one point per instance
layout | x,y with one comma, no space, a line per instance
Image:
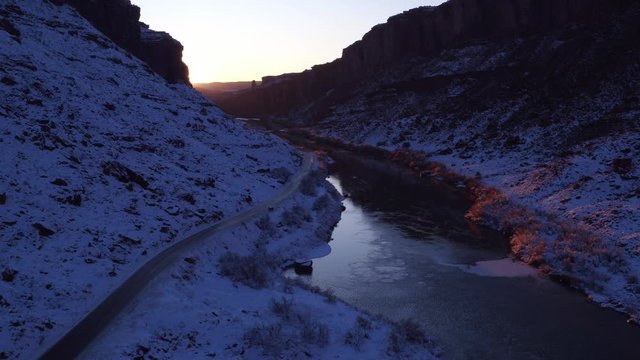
120,21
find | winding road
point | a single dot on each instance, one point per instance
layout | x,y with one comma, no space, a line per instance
73,342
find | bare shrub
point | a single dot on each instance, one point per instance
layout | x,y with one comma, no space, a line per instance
264,223
359,333
281,174
404,334
267,231
328,294
321,203
316,333
283,308
527,244
295,217
254,271
309,184
269,338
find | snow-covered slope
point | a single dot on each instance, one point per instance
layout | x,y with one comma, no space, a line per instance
551,121
537,103
102,165
193,311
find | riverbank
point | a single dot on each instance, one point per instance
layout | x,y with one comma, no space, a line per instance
544,230
228,298
404,247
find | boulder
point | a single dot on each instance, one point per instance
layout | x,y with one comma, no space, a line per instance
123,174
9,275
43,230
303,268
622,166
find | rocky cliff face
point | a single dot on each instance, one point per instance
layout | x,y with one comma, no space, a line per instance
163,54
537,100
119,20
422,32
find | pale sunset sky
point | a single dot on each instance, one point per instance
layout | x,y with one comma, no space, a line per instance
238,40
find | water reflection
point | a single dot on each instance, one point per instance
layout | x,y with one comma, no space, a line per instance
404,249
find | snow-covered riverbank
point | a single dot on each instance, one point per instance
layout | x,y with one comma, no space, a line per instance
195,311
577,214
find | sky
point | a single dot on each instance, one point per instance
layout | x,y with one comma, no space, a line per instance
241,40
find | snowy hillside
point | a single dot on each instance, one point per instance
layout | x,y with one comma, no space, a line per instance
104,165
551,122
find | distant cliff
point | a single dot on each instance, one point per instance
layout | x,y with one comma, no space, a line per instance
422,32
120,21
537,102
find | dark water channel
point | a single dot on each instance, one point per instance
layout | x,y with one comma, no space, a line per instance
403,249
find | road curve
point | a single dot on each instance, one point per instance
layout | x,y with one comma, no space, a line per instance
73,342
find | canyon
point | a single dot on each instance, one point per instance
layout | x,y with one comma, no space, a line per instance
535,103
419,33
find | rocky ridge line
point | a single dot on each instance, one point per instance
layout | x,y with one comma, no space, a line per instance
421,32
120,21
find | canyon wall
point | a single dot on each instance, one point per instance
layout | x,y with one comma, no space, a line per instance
120,21
163,54
421,32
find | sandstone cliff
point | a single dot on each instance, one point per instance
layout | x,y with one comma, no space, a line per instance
163,54
538,100
422,32
120,21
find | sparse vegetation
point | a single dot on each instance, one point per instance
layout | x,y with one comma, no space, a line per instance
309,185
255,271
404,334
314,332
295,217
269,338
321,203
282,308
329,294
281,174
357,336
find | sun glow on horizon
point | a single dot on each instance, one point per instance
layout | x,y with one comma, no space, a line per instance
244,40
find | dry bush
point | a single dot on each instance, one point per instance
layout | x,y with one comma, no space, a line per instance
315,333
404,334
255,271
269,338
295,217
528,246
281,174
321,203
359,333
328,294
283,308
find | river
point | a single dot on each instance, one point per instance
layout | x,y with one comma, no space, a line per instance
404,249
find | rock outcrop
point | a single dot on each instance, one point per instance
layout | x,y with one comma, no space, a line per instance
120,21
163,54
422,32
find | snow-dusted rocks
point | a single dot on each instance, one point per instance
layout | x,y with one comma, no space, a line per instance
119,21
103,164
